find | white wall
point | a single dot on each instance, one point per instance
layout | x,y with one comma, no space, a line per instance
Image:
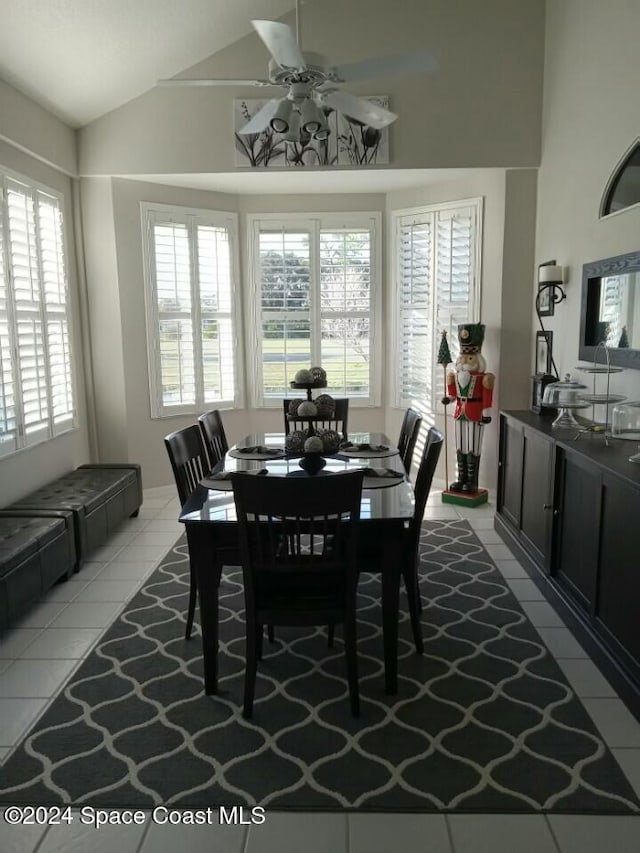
480,108
34,130
590,118
27,469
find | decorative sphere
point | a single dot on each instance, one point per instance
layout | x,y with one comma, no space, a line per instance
307,409
330,440
318,374
293,406
303,377
313,444
326,405
294,442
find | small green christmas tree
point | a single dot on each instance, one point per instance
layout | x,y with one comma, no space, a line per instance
624,338
444,355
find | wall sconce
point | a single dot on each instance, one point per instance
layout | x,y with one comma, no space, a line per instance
550,291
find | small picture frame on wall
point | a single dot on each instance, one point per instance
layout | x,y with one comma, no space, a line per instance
544,344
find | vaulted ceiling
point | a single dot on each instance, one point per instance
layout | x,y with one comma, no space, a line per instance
82,58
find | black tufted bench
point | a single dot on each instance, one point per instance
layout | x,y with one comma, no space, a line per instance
34,554
99,498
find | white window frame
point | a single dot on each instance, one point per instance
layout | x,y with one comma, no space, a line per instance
314,223
51,427
419,214
193,217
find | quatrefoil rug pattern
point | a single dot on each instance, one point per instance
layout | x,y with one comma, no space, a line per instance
484,721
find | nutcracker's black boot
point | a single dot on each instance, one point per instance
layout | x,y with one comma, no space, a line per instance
458,486
473,469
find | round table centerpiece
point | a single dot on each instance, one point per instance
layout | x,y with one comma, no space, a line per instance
312,463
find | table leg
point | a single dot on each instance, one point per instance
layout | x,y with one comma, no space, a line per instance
208,570
391,556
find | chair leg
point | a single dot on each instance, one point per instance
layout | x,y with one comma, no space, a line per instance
413,597
331,630
259,634
251,668
193,597
351,652
271,634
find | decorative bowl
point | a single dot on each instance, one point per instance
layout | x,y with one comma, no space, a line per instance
312,463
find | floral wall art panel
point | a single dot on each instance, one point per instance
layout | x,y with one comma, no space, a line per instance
350,143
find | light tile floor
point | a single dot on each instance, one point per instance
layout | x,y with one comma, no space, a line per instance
38,654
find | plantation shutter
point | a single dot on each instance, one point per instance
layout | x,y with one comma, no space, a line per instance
29,318
454,282
191,285
415,262
8,424
438,273
315,288
345,310
284,282
216,330
54,286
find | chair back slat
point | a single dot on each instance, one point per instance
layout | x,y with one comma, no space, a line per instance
428,463
214,437
188,459
408,436
338,421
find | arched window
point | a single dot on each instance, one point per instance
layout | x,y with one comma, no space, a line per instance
623,188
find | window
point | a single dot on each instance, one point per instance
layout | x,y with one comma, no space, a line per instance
437,261
315,287
36,382
190,276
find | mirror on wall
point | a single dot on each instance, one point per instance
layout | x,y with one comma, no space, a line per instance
623,188
611,309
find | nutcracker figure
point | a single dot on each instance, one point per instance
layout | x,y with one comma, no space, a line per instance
472,389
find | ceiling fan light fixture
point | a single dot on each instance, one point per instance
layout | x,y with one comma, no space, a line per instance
323,132
282,117
293,133
312,117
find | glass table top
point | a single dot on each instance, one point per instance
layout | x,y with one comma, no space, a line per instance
394,501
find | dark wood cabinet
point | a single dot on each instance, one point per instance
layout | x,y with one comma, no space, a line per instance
618,604
570,510
537,495
525,486
510,463
577,514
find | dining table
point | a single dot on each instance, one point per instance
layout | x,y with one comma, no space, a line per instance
209,516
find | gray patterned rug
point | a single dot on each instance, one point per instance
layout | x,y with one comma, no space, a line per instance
483,721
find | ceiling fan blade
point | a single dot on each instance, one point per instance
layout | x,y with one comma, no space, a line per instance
261,119
185,81
359,108
281,43
420,62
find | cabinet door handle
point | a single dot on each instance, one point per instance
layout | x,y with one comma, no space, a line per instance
556,513
547,506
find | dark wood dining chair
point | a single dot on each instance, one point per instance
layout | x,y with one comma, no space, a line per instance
409,430
338,421
299,551
189,464
371,550
214,437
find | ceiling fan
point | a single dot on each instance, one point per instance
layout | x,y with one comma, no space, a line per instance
312,85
